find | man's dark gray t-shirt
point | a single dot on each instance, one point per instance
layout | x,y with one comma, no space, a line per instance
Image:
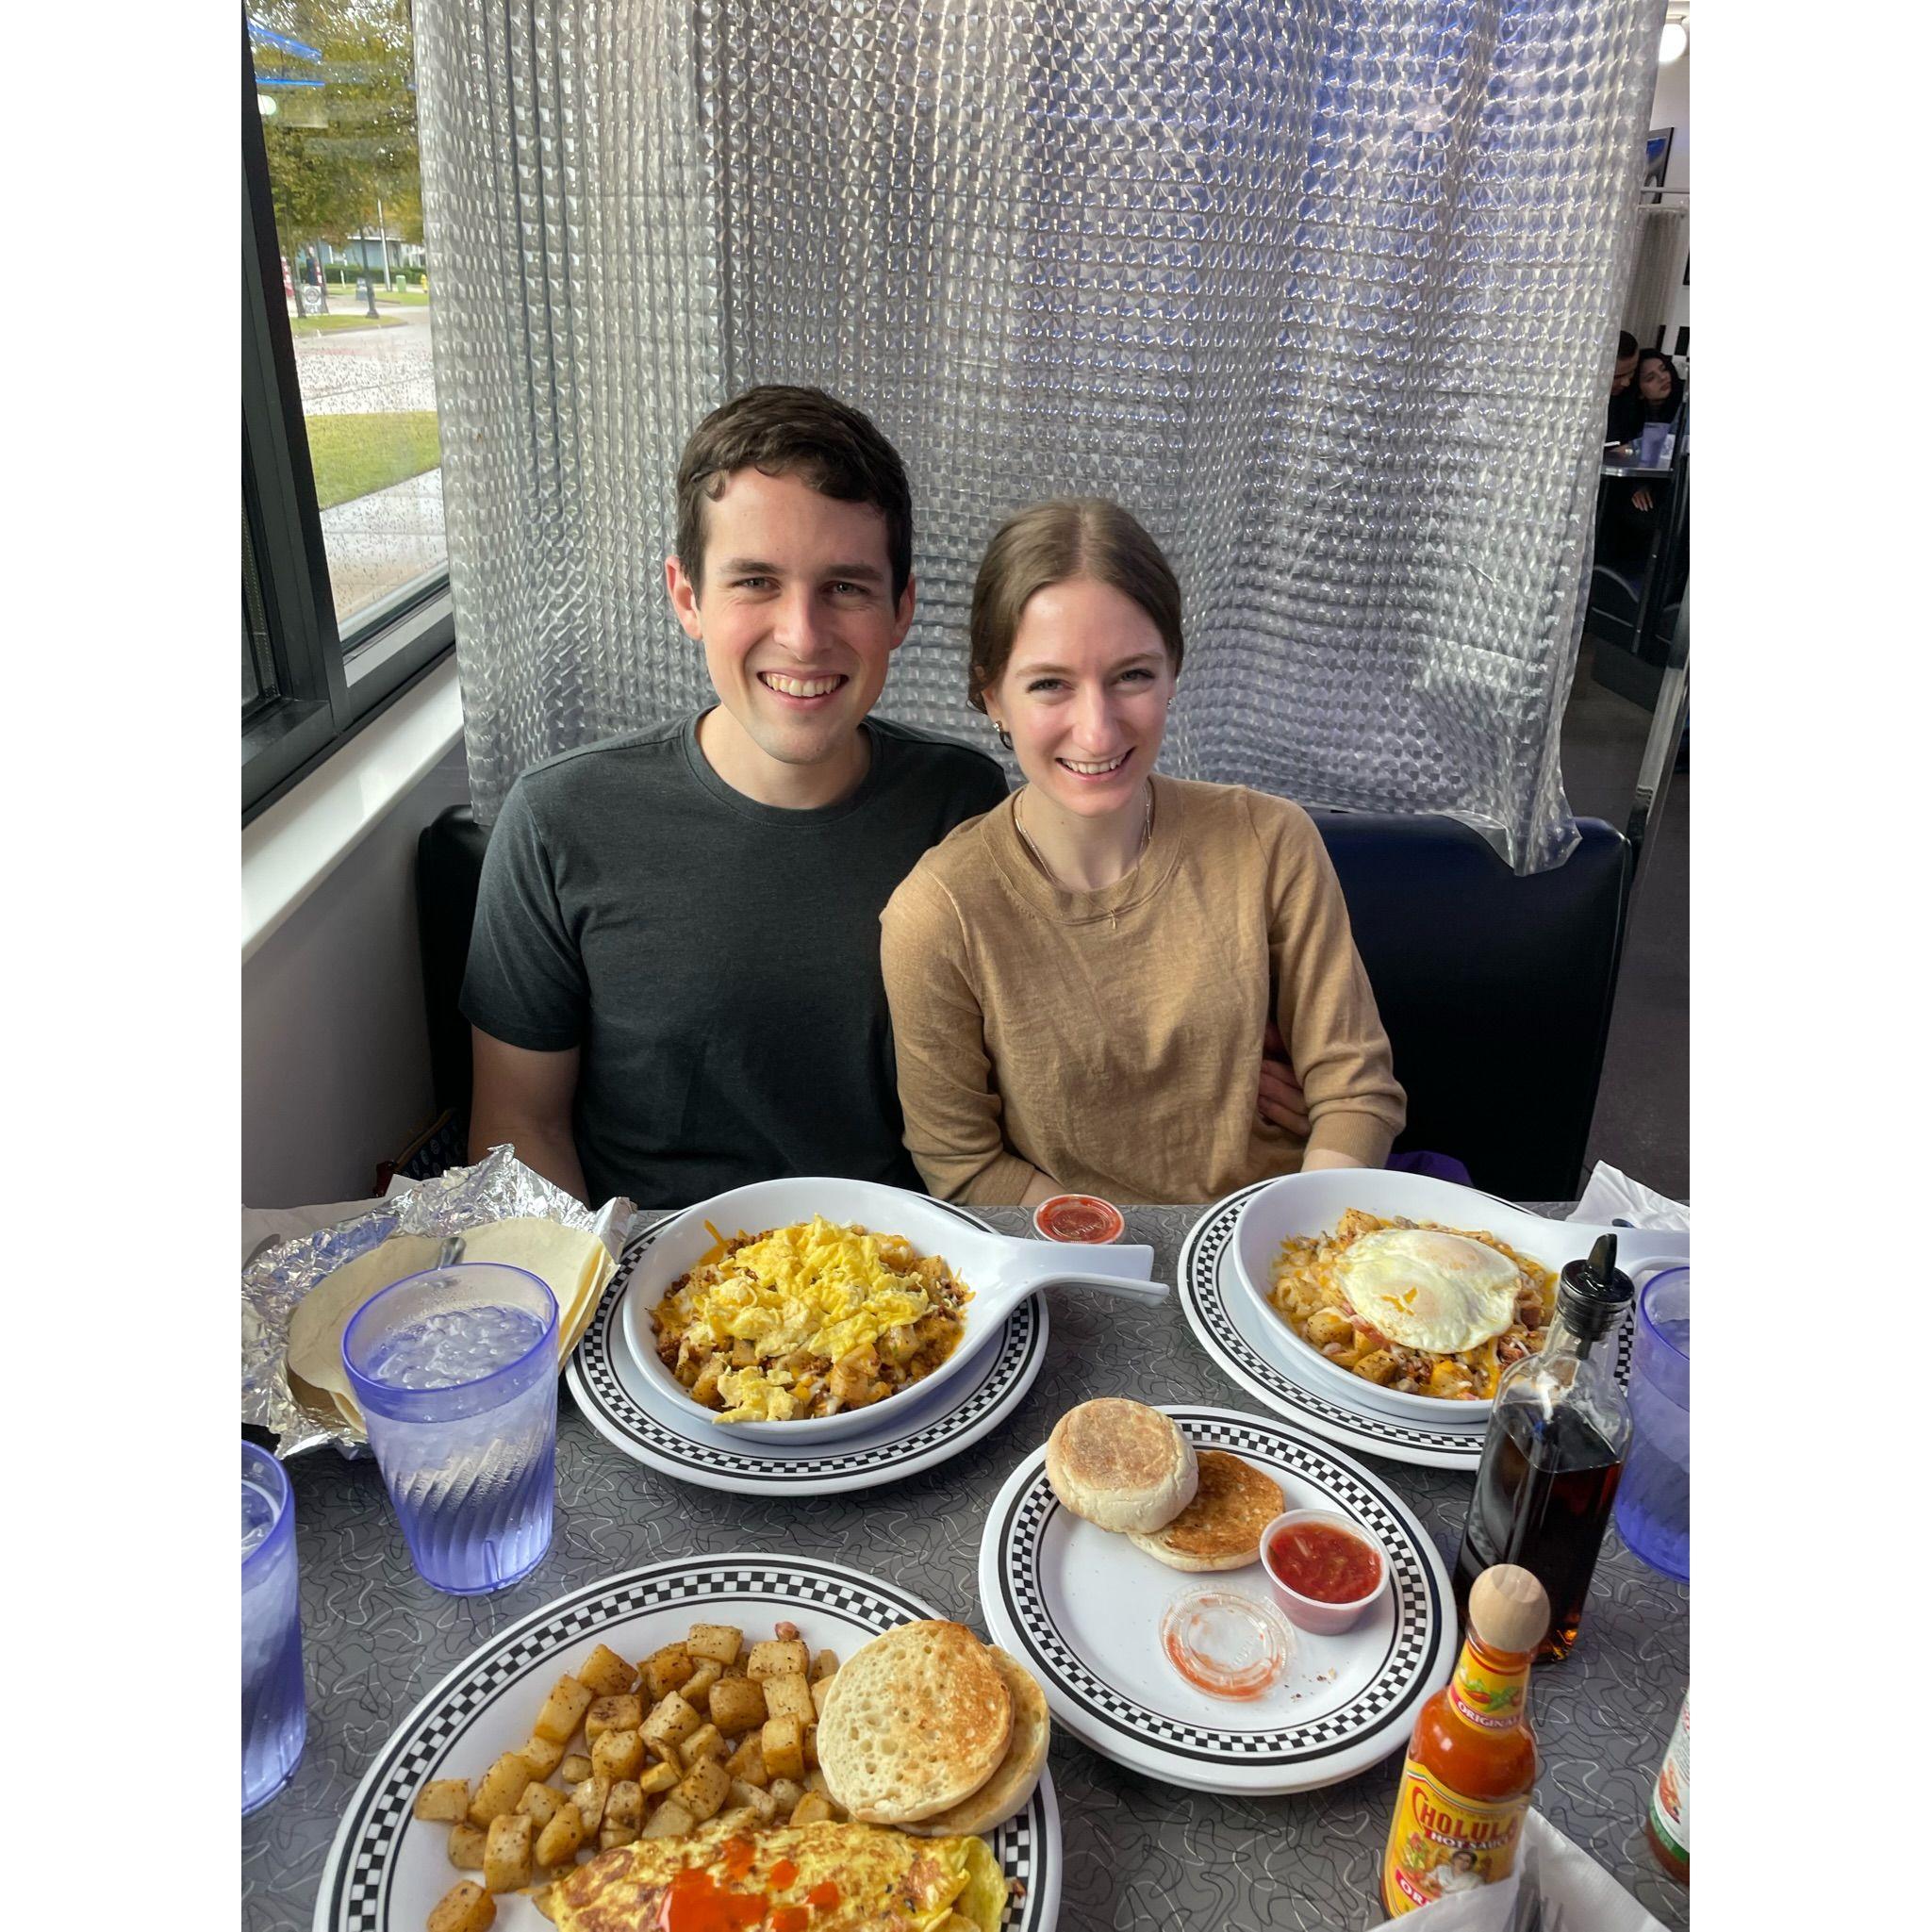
714,960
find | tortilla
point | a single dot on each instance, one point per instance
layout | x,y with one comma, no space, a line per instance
324,1314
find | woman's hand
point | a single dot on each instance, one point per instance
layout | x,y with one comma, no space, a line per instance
1280,1102
1640,498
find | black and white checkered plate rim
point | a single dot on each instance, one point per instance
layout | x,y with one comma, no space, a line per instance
1011,1365
354,1894
1205,1287
1123,1727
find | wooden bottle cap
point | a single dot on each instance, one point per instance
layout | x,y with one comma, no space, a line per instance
1508,1609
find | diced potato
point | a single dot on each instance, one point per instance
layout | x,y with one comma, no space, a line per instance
810,1748
590,1798
541,1803
669,1724
660,1778
667,1670
701,1745
821,1690
813,1780
563,1711
606,1673
613,1714
575,1769
508,1855
784,1742
824,1665
737,1705
617,1754
702,1789
670,1820
616,1835
443,1801
750,1796
778,1660
785,1792
747,1763
719,1642
626,1803
467,1843
542,1755
464,1907
499,1789
697,1687
789,1696
558,1843
815,1808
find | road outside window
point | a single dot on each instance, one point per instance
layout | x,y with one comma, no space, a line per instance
335,90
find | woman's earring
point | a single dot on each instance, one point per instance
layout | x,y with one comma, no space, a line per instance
1004,736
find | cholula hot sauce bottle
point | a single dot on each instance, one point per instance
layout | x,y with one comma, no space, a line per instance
1471,1766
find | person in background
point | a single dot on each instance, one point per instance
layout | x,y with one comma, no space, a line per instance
1659,392
1625,416
1079,979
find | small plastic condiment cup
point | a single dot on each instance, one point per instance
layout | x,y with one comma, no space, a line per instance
1095,1210
1310,1613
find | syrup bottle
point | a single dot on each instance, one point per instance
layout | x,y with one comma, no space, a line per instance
1471,1767
1557,1435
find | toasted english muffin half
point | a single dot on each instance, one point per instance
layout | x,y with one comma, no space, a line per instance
1011,1783
1221,1529
1120,1464
916,1721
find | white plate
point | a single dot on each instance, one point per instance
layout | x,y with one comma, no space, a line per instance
1003,1272
1255,1346
626,1407
1311,1204
385,1871
1082,1609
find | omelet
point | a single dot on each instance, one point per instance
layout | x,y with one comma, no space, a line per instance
1428,1289
825,1877
782,1309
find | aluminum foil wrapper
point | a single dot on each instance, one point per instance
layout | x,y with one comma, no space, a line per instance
495,1189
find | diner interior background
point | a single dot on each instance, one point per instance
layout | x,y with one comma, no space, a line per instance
333,1002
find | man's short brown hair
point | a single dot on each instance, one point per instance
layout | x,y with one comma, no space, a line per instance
1054,543
785,431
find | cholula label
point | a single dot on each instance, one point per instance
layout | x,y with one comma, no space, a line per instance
1443,1843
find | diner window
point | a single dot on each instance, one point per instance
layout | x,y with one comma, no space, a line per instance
345,574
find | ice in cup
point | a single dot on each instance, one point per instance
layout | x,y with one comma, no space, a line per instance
275,1717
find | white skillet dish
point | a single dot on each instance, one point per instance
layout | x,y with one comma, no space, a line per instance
1001,1272
1310,1204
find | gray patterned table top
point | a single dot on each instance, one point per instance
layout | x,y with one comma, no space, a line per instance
1138,1853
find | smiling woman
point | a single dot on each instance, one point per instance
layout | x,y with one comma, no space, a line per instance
1082,979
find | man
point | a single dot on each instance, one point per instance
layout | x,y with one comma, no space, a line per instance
673,982
1626,418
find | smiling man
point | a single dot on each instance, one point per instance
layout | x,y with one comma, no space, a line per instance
673,982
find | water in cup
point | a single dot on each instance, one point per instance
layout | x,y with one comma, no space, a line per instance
1653,1503
275,1719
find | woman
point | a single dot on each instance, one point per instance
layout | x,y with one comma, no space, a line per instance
1081,978
1660,398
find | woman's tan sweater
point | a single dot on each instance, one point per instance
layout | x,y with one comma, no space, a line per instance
1112,1040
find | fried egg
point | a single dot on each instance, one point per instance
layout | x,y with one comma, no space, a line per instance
1425,1289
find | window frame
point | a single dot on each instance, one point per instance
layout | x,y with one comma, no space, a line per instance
326,693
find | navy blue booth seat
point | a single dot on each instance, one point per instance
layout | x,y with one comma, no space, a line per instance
1495,990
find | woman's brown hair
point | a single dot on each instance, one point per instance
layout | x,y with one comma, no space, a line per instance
1053,543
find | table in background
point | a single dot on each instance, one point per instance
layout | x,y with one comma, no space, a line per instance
1138,1853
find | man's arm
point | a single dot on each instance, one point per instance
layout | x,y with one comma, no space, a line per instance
525,1098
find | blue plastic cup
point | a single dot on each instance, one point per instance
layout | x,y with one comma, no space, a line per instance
1654,1497
275,1717
1651,442
455,1372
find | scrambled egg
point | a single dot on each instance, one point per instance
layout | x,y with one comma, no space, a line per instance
814,1288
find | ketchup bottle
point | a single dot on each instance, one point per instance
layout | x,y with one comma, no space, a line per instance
1471,1767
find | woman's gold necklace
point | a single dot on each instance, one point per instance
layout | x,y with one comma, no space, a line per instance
1147,832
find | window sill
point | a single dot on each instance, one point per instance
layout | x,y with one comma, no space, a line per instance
290,849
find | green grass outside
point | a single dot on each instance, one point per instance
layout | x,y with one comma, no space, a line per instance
328,324
356,455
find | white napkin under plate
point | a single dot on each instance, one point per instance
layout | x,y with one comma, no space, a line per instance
1563,1872
1612,1196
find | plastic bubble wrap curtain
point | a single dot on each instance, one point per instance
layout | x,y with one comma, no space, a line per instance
1326,292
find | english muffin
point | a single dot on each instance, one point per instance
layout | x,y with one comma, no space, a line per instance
1221,1529
1011,1783
1120,1464
915,1722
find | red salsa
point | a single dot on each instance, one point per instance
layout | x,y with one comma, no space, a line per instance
1324,1561
1079,1218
